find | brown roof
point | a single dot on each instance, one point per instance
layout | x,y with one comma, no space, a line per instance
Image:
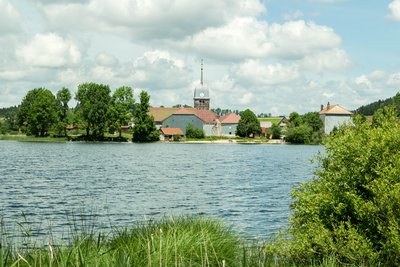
160,114
171,131
207,116
335,110
230,118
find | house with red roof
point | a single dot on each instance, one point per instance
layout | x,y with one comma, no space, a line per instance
333,116
229,123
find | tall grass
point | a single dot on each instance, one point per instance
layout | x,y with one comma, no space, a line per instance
181,241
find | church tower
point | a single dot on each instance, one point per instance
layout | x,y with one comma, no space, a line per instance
201,94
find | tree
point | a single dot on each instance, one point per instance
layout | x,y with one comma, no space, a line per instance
350,210
192,132
276,131
92,108
248,125
63,97
295,119
38,111
313,120
144,129
121,108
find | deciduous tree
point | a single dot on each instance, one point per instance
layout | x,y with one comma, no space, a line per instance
93,108
63,97
248,125
144,129
38,111
121,108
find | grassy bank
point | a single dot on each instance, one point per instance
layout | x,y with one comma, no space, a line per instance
183,241
24,138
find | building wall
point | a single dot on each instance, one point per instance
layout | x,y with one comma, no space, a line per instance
332,121
181,121
228,129
203,104
210,129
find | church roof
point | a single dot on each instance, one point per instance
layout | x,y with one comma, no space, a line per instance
160,114
334,110
230,118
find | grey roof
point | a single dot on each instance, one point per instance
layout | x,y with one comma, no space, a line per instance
201,92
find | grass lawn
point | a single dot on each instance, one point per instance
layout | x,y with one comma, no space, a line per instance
274,120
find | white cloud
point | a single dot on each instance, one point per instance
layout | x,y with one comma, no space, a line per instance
394,8
394,80
159,70
49,50
152,19
9,18
247,37
253,72
328,60
105,59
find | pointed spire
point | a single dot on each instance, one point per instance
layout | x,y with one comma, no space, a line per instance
201,80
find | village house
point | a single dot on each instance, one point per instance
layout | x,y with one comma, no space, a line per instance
333,116
169,134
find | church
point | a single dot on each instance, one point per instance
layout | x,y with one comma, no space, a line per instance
200,116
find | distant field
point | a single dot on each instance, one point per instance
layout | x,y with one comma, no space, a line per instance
274,120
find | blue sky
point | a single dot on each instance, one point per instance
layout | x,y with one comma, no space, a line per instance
272,56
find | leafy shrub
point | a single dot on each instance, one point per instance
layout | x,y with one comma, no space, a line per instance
351,210
299,135
192,132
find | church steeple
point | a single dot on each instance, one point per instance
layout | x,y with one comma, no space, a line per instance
201,79
201,94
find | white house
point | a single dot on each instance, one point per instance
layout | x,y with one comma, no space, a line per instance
333,116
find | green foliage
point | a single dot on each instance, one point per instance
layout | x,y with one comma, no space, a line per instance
121,108
351,209
192,132
38,111
299,135
295,119
248,125
63,97
144,129
313,120
276,131
92,108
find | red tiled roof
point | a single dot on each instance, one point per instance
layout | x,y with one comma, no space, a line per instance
186,111
206,115
230,118
335,110
171,131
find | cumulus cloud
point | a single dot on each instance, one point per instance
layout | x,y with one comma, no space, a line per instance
9,18
394,8
253,72
294,15
247,37
159,70
49,50
153,19
330,60
105,59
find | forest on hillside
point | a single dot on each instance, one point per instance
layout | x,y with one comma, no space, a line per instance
369,109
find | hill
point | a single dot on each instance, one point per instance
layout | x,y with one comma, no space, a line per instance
5,111
370,109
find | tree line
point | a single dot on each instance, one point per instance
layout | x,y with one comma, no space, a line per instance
97,111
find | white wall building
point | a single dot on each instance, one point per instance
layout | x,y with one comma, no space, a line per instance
333,116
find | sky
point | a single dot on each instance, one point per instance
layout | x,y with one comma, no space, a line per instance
272,56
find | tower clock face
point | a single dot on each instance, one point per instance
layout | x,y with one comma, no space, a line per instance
201,94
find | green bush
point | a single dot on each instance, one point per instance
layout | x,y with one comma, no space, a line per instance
351,209
299,134
192,132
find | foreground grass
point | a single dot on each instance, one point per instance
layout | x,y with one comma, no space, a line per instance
182,241
24,138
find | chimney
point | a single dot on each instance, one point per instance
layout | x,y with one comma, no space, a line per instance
322,107
328,106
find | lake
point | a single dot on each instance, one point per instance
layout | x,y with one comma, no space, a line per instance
50,185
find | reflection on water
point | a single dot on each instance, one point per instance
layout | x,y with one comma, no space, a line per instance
118,184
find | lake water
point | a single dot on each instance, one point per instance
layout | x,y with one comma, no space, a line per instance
247,186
